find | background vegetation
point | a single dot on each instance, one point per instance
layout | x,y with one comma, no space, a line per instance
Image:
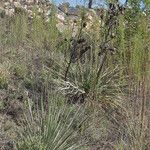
86,92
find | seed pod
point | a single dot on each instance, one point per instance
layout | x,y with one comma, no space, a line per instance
81,40
75,21
84,24
112,50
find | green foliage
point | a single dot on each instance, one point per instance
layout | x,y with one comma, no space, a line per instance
44,33
52,128
29,82
137,57
38,30
18,29
4,77
1,105
20,70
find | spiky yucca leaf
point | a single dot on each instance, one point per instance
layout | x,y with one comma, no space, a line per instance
51,128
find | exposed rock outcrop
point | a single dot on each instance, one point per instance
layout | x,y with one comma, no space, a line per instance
68,17
11,6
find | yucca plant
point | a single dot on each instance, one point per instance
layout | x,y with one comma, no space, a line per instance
53,127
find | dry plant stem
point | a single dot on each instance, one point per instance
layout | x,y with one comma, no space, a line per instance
101,66
126,2
69,63
104,57
107,39
144,93
80,70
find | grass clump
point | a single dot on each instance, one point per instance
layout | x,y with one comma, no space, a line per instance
53,127
20,70
4,77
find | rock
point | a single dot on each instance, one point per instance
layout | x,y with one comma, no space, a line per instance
17,4
61,27
10,12
65,13
61,17
6,4
30,2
